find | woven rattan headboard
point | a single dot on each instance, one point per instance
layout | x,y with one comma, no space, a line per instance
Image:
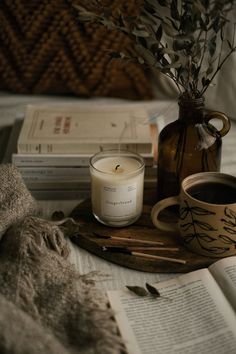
45,50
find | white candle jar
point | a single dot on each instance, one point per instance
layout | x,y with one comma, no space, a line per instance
117,179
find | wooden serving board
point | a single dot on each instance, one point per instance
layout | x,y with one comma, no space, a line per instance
88,239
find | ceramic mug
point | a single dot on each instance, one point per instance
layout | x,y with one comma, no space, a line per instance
207,214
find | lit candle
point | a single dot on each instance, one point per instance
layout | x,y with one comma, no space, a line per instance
117,187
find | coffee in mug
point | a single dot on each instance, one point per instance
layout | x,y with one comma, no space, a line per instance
207,213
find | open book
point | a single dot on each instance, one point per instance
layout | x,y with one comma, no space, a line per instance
195,314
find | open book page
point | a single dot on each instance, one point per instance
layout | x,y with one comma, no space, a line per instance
192,316
224,271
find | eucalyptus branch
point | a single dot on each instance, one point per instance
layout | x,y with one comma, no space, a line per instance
233,40
169,36
178,84
218,69
203,54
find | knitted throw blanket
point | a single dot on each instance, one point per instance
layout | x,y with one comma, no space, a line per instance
45,305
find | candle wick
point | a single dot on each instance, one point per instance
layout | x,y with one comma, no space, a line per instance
117,166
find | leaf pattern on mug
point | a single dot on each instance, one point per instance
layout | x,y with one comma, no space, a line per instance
186,226
216,250
226,239
201,211
199,236
230,223
204,225
188,238
197,225
206,237
230,213
230,230
184,211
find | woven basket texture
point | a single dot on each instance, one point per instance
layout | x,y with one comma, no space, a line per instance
44,49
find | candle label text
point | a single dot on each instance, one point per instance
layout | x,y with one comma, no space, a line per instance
119,201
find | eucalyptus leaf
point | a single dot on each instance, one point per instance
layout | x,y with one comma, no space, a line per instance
210,69
153,4
180,44
212,46
229,44
174,10
148,57
148,20
162,2
170,31
140,32
203,23
141,60
159,33
199,6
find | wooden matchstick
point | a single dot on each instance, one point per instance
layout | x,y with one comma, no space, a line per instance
168,259
140,254
143,248
148,242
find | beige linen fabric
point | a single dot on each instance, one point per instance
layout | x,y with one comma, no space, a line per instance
46,306
15,200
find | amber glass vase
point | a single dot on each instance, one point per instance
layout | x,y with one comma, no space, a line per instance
189,145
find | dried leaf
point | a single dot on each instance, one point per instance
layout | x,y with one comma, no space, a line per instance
138,290
152,290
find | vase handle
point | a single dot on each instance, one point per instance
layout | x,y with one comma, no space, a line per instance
224,119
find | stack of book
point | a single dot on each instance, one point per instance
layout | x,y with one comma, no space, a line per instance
52,146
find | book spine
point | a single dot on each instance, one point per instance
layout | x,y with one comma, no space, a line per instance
54,172
61,194
70,173
50,160
72,160
67,184
79,148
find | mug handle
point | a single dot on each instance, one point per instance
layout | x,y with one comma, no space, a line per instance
217,115
158,207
